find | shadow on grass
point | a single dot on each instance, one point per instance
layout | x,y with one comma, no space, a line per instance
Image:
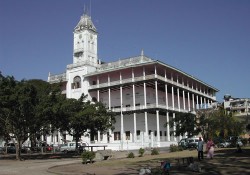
226,161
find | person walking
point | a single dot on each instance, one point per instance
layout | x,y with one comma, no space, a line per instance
200,149
210,149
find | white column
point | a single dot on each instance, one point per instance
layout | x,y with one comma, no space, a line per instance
145,103
122,127
184,101
109,99
59,137
98,92
201,102
145,94
98,81
109,93
168,130
144,74
155,72
205,103
98,95
158,126
174,126
146,123
189,109
133,88
156,94
197,102
133,75
135,127
166,91
178,98
193,102
178,95
98,137
173,97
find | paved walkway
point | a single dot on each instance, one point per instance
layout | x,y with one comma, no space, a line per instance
33,167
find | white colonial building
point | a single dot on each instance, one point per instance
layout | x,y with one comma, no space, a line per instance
144,93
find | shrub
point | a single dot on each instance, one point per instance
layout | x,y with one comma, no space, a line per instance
154,151
174,148
141,152
131,155
87,156
244,141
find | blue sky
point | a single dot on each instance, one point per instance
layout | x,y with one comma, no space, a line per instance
209,39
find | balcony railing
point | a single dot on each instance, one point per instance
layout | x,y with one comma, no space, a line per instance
149,77
57,78
149,106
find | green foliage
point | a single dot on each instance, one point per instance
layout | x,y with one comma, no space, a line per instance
37,108
244,141
174,148
131,155
222,123
87,156
185,123
141,152
154,151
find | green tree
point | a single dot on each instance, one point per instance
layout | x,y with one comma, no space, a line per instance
7,85
82,116
185,123
25,109
19,113
218,123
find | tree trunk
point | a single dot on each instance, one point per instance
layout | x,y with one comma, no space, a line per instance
18,150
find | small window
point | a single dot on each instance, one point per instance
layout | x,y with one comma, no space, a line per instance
76,83
117,136
127,135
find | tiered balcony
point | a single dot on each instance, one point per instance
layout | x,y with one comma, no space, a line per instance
148,77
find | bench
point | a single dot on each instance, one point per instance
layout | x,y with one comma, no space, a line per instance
184,161
91,147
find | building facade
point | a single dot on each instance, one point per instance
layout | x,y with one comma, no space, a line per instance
144,93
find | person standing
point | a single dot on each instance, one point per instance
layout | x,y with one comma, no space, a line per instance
210,149
200,149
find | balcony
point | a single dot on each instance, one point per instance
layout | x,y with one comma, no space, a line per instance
75,65
57,78
149,77
148,107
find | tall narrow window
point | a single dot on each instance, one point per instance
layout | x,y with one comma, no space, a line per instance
76,83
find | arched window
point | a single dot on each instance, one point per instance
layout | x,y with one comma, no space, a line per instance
76,83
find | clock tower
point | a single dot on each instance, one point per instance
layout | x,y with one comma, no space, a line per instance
85,42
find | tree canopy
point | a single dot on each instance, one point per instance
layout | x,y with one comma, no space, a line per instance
210,123
29,109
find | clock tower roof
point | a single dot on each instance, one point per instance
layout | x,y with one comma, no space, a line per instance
85,23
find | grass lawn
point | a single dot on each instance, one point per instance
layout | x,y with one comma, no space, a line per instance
226,161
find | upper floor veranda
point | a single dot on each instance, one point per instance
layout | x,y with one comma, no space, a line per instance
138,70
